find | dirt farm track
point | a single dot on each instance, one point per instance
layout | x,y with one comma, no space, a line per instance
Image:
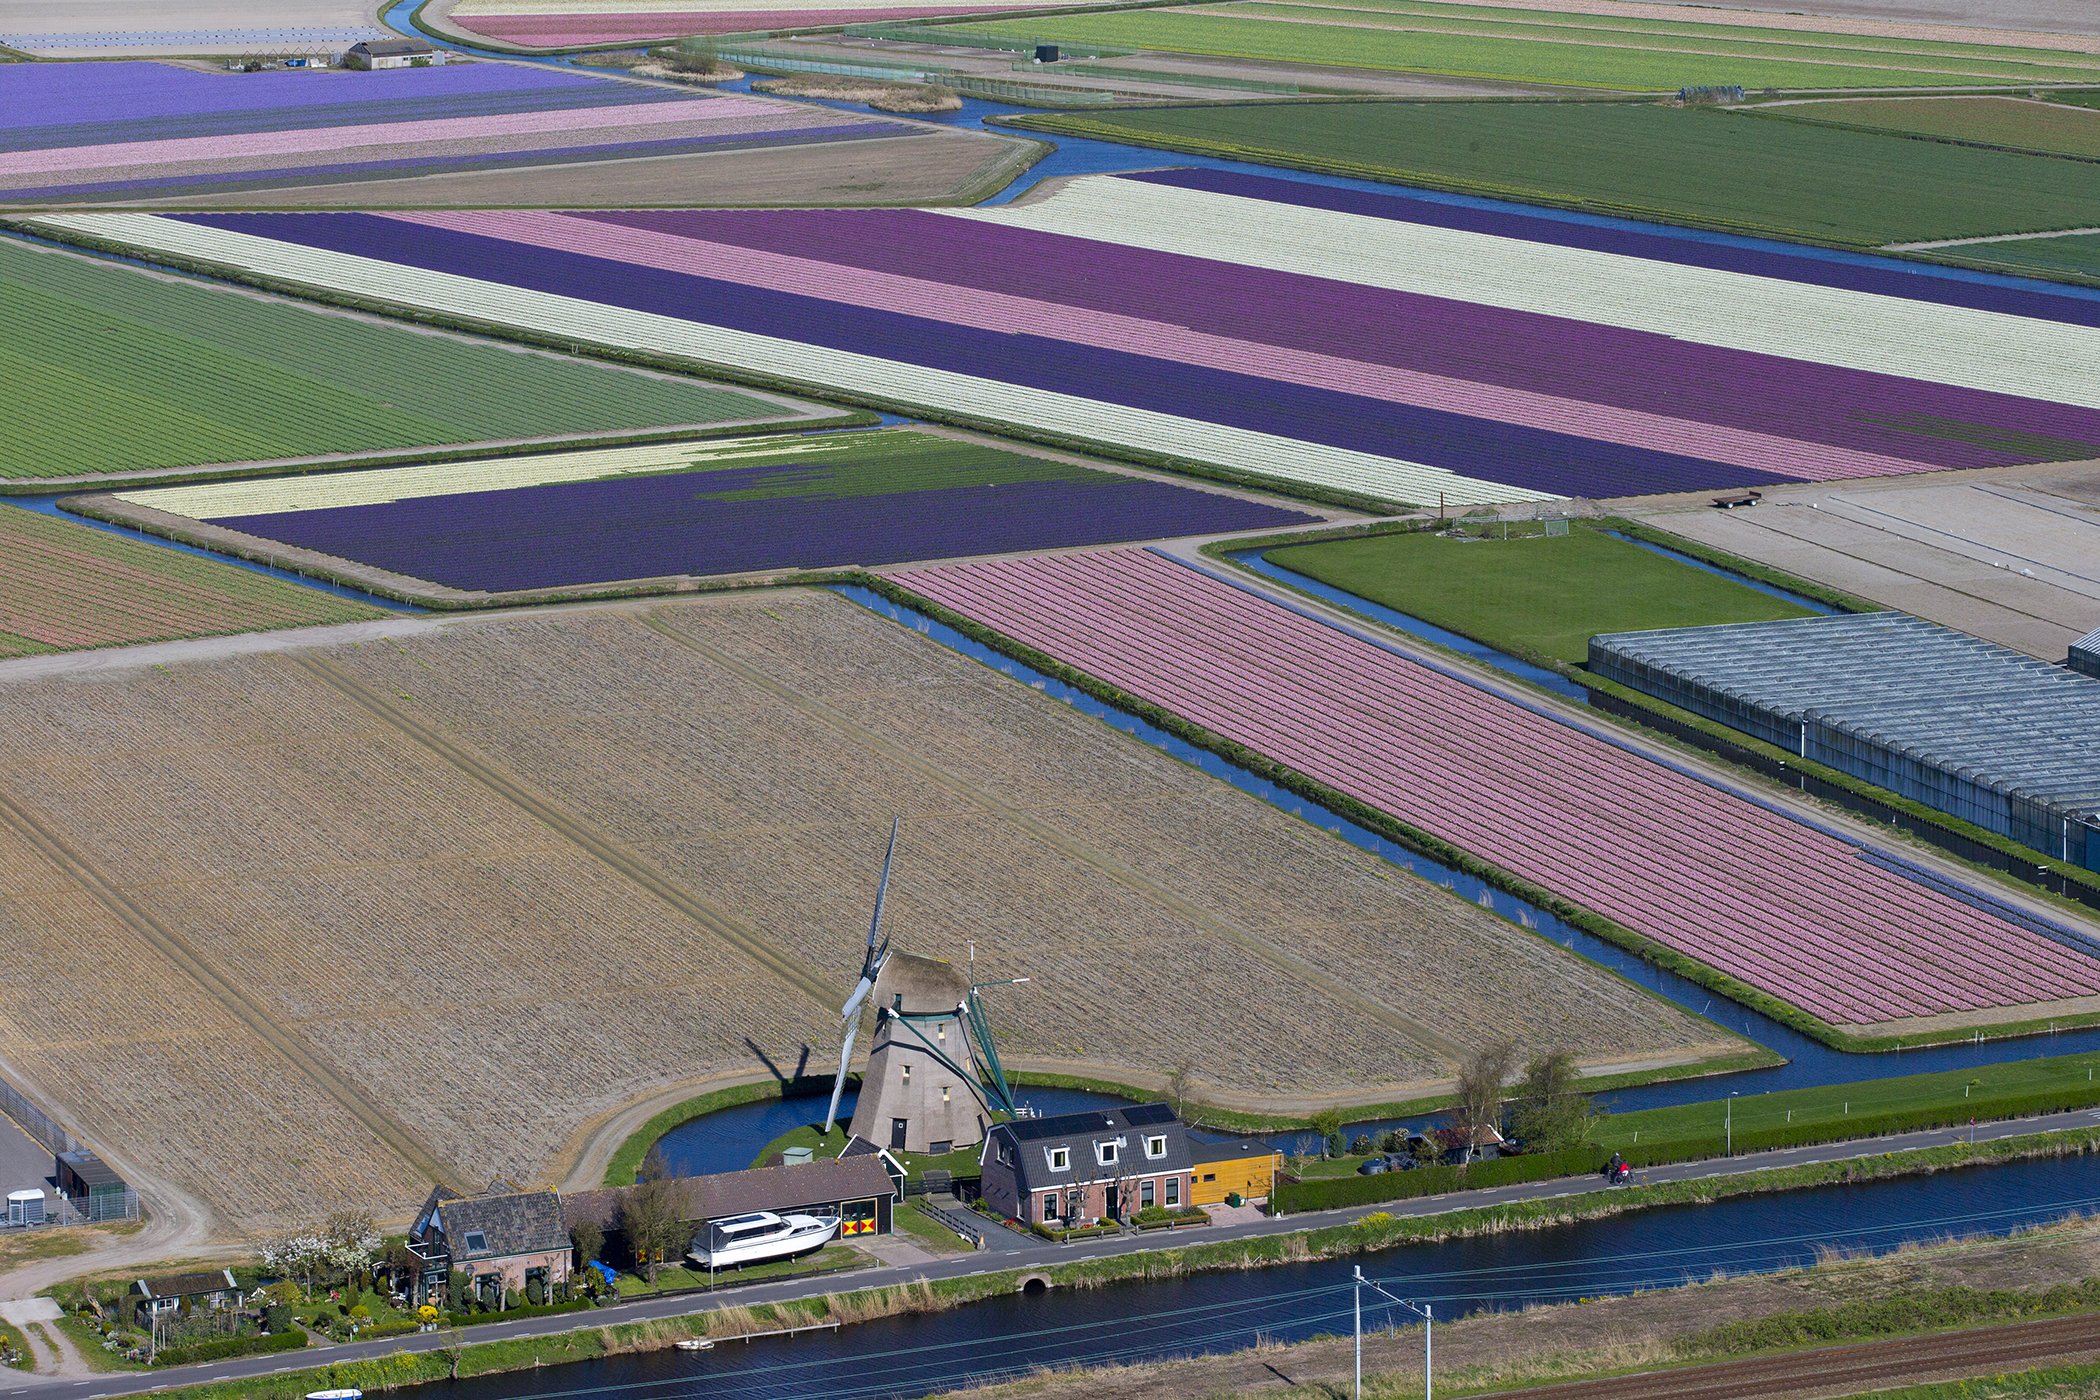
543,812
1849,1370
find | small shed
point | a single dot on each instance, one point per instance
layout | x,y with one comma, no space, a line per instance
93,1188
2085,654
166,1293
374,54
1244,1165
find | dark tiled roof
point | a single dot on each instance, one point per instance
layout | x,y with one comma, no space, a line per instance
185,1285
1032,1140
527,1222
1233,1150
822,1183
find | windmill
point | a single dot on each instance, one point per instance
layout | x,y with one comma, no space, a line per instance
934,1082
870,969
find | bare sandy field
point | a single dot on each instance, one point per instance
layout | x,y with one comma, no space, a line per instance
429,902
143,28
2012,555
930,167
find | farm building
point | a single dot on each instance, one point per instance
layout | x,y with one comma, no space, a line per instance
1098,1164
2085,654
858,1189
512,1242
1965,726
390,53
93,1188
1244,1167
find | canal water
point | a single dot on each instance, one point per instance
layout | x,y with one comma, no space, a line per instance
1014,1334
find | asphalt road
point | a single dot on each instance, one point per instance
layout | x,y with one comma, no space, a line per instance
1025,1254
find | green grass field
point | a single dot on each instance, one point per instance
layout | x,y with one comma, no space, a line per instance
1538,46
1685,165
2075,257
108,369
1949,1091
1533,597
2015,123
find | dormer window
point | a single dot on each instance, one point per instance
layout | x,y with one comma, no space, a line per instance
1107,1153
1060,1159
1156,1146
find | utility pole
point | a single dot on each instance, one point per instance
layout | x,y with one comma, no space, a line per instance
1423,1311
1728,1128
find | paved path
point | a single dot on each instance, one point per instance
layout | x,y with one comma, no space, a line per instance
1030,1255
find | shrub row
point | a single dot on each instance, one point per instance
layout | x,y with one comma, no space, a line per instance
220,1348
523,1310
1082,1232
1330,1192
1865,1125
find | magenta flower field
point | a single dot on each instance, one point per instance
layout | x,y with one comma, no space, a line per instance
1738,886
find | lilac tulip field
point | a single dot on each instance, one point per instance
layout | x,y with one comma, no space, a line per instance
86,132
726,506
1777,904
1397,346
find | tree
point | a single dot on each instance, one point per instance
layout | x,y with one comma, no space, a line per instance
1551,1113
295,1254
1328,1124
1479,1105
1178,1082
589,1241
653,1213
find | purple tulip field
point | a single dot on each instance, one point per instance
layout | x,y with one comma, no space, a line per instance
121,131
719,507
1772,902
1395,346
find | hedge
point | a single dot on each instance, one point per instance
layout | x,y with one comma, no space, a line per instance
523,1310
220,1348
1869,1125
1330,1192
1083,1232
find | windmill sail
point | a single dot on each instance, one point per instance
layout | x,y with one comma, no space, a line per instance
870,969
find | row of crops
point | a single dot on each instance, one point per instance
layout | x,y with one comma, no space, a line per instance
1777,905
72,586
1385,346
586,518
100,131
1550,46
181,374
554,24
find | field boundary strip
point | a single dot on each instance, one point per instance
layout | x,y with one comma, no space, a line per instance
92,881
1081,852
578,832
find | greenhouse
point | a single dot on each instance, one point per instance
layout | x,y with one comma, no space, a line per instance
1961,725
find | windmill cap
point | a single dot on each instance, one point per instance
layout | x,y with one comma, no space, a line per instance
926,984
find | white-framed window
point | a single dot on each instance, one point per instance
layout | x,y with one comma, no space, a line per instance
1173,1192
1156,1146
1060,1159
1049,1205
1147,1196
944,1093
1107,1153
907,1073
940,1033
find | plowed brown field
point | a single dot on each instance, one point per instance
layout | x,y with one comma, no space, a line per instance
314,925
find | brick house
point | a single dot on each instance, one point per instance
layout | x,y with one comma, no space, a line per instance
1099,1164
504,1243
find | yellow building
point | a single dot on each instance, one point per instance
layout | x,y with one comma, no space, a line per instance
1248,1167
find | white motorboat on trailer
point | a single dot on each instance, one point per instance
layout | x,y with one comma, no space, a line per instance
761,1237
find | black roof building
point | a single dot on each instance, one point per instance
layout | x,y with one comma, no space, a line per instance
492,1227
1099,1144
